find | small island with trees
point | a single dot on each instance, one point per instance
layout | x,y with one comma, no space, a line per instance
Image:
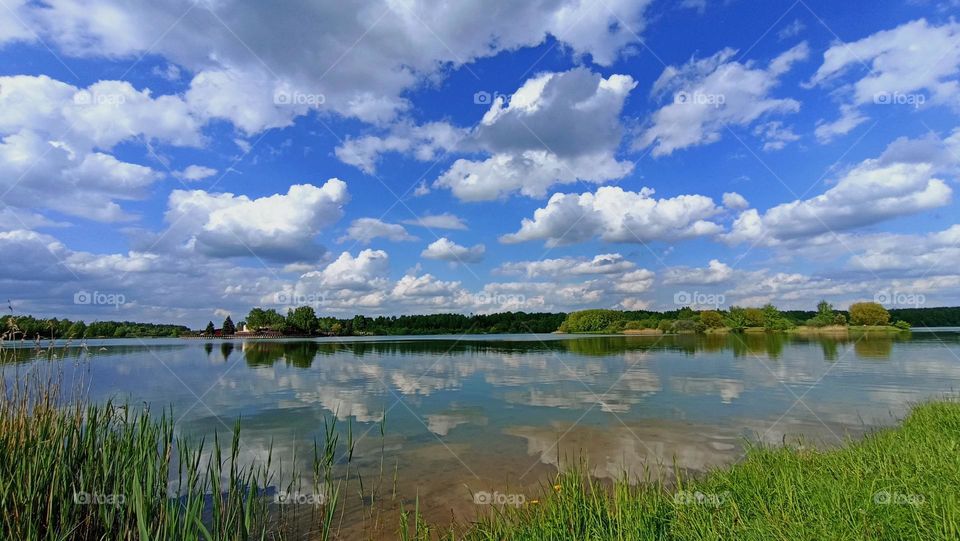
862,316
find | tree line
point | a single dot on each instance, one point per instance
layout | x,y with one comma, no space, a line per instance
304,321
736,318
30,328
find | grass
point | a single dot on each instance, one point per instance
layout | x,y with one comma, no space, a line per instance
71,470
101,472
898,483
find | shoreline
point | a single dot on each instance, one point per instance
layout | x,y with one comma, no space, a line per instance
894,483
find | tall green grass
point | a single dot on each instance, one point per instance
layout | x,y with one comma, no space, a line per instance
899,483
77,471
70,470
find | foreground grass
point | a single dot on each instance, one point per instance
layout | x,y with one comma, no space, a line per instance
78,471
898,483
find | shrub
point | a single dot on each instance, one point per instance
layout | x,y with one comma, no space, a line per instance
736,318
665,325
711,319
773,320
868,313
754,317
685,325
825,315
901,324
590,320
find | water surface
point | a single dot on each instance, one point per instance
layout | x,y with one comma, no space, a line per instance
499,413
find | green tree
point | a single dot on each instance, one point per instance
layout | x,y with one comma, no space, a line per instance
359,324
269,319
685,325
712,319
210,329
825,315
590,320
868,313
228,327
77,330
302,320
737,318
773,320
755,317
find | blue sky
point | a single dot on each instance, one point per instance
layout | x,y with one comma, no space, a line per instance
179,161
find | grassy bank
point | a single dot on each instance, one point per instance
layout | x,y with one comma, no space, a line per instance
78,471
899,483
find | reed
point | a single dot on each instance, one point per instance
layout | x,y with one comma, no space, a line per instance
80,471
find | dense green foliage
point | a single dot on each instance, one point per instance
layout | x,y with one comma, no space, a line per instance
30,327
928,317
826,316
712,319
768,317
591,320
258,318
895,484
916,317
868,313
684,320
304,321
228,326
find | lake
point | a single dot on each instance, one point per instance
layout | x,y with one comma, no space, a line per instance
498,413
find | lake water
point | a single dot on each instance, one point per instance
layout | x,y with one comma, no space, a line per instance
498,413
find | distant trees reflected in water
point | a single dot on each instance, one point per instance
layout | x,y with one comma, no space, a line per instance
770,345
303,353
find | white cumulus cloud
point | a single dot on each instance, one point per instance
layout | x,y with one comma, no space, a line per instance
446,250
617,215
710,95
